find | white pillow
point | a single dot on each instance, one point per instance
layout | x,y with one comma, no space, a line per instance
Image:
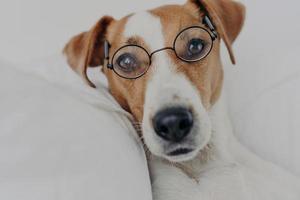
59,141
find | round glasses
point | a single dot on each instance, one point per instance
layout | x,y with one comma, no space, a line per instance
190,45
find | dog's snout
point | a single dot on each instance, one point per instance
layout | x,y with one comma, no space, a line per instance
173,124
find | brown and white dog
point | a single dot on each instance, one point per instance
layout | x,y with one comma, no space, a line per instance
178,104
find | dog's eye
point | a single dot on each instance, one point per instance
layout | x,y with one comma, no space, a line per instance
131,61
194,48
127,62
193,44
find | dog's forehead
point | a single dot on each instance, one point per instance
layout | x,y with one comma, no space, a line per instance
159,26
146,26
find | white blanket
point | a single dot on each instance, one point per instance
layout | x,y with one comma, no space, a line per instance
60,140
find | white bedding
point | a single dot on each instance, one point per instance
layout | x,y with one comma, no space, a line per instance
264,87
62,140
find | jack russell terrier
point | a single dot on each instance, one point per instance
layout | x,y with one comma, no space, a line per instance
164,67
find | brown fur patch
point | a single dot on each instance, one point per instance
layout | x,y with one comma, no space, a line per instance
207,74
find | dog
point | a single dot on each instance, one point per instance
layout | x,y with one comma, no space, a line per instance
164,67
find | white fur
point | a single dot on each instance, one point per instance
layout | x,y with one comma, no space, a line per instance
148,27
161,90
234,173
231,172
167,89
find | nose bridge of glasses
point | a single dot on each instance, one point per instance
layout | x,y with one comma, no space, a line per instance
162,49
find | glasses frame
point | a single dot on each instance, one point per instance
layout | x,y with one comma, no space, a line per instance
206,20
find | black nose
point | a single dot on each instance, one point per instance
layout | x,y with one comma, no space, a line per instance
173,124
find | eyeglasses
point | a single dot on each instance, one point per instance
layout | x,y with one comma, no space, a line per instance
192,44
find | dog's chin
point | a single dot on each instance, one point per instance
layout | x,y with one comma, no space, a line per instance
186,155
181,152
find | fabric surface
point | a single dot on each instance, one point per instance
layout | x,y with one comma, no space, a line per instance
62,140
263,89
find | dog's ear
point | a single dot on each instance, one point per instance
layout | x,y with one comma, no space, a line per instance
86,49
228,16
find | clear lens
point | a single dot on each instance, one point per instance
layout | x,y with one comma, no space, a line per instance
131,62
193,44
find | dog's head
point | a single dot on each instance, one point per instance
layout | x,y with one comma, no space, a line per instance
164,67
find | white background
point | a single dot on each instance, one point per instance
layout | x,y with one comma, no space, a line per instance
263,89
35,28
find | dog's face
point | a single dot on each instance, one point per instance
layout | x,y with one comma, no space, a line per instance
172,100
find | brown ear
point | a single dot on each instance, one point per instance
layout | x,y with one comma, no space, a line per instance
86,49
228,16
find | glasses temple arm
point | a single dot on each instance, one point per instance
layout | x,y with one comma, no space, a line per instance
207,21
106,53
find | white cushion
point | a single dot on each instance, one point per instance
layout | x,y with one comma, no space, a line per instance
61,141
